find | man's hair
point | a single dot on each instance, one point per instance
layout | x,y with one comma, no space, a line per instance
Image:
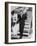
12,12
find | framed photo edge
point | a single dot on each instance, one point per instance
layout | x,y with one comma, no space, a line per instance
6,22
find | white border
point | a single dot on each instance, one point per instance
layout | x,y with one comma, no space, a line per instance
9,23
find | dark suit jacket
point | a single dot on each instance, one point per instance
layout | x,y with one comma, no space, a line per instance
22,22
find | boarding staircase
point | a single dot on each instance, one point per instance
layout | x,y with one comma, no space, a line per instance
27,27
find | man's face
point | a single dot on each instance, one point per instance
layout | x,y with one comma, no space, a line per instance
15,18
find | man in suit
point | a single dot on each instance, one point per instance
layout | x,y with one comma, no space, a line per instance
22,23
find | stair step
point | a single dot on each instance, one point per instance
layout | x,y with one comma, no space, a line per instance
28,16
27,21
17,33
26,29
25,33
26,26
16,36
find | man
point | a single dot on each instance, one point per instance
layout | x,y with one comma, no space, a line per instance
22,23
